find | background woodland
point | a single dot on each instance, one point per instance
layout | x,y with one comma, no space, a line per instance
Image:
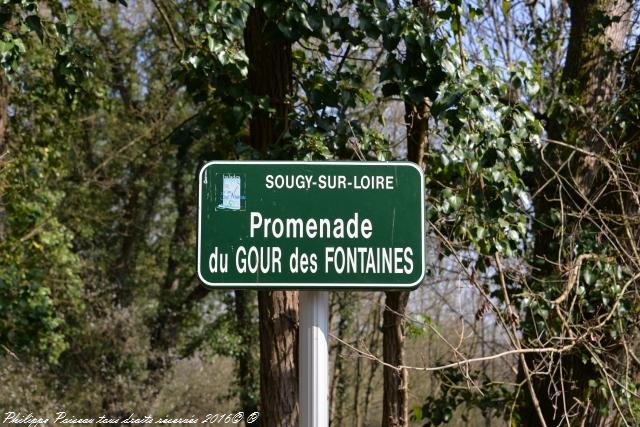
524,114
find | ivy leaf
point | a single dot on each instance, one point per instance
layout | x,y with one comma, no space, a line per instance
588,276
34,23
455,201
515,154
533,88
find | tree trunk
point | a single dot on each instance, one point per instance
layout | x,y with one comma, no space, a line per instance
171,306
587,70
270,75
589,75
4,124
245,360
395,400
395,410
417,120
356,392
373,348
136,217
341,378
278,358
4,112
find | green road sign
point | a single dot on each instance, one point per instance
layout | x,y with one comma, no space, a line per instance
310,225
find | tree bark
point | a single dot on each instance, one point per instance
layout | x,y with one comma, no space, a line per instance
417,121
590,74
270,75
587,70
278,358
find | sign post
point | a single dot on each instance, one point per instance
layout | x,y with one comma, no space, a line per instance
313,226
314,359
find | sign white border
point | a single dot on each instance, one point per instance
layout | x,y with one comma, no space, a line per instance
276,285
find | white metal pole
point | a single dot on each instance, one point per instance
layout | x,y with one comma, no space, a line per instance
314,359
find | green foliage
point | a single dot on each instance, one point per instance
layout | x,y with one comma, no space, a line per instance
415,46
419,326
40,287
216,59
476,183
113,110
74,64
24,28
492,399
18,19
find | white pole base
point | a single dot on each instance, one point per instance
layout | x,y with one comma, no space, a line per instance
314,358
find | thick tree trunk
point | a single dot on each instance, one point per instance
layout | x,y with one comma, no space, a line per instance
589,75
278,358
587,70
270,75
